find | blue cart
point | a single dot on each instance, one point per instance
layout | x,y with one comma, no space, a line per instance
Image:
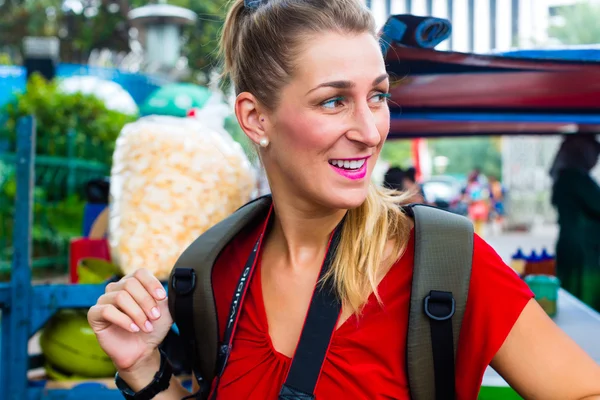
25,307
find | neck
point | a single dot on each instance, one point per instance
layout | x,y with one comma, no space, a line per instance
301,231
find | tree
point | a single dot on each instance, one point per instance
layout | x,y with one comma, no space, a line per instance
5,59
483,153
85,25
398,153
202,44
577,24
81,25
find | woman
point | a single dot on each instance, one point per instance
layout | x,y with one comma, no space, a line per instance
576,197
477,198
312,89
496,203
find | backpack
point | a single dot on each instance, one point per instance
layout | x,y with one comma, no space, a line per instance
441,276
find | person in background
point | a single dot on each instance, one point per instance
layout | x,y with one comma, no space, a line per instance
496,191
411,185
576,197
477,196
404,181
394,179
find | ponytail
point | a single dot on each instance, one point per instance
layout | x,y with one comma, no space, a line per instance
360,260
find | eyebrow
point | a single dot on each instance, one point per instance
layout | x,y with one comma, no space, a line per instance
347,84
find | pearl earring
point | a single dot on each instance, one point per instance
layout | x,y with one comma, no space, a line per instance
264,142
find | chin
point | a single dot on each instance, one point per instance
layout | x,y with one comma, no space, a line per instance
346,199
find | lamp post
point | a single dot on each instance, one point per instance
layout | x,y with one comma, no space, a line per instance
41,55
159,26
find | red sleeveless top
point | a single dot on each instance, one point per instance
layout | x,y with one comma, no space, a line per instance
366,358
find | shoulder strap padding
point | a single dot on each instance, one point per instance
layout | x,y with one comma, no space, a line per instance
443,257
201,256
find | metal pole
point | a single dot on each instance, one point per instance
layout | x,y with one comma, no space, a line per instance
471,13
15,324
450,6
368,3
514,18
408,6
429,5
70,158
493,24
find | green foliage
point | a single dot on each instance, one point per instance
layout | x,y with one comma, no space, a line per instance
95,27
201,48
466,154
233,128
55,223
398,153
100,26
580,24
76,136
5,59
95,126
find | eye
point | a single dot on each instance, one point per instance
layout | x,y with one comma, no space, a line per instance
381,97
332,103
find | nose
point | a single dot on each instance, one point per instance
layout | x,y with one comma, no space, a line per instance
364,127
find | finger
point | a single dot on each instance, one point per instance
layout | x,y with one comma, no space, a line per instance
125,303
101,316
152,285
141,296
149,281
116,286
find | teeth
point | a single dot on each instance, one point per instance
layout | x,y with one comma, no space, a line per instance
355,164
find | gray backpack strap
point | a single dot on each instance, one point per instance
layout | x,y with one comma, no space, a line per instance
191,300
440,287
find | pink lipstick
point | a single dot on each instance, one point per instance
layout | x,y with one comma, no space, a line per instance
353,169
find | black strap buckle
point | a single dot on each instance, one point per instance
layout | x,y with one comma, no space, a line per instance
184,281
440,306
290,393
223,357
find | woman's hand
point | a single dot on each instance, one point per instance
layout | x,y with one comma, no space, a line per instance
131,319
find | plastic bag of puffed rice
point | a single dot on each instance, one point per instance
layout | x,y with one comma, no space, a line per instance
171,179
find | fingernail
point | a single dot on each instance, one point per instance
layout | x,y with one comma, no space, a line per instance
161,293
148,326
155,312
134,327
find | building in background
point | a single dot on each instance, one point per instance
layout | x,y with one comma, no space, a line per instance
483,26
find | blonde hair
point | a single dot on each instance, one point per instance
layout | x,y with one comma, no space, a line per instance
260,47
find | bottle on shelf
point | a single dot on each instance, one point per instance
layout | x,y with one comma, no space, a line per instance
532,264
548,262
518,261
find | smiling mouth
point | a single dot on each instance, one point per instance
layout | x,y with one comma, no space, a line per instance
350,165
